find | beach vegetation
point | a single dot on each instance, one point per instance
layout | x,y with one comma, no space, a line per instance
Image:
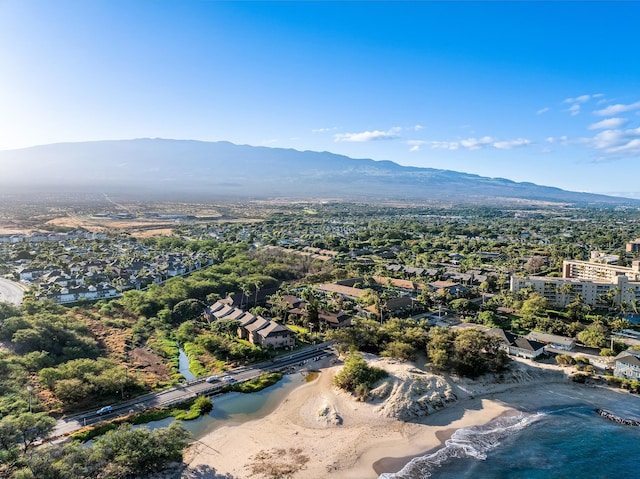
468,352
278,463
254,385
565,360
357,376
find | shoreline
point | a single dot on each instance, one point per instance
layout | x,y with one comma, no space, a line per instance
321,432
395,464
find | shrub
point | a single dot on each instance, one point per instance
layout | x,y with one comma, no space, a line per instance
254,385
565,360
356,375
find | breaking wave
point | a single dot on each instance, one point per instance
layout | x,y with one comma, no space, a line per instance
473,442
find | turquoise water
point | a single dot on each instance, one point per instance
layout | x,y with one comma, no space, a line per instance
235,408
569,442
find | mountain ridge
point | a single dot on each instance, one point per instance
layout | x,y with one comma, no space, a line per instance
164,167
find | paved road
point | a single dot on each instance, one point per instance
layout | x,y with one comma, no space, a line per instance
192,388
11,292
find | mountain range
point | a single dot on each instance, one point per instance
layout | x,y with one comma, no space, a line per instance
159,169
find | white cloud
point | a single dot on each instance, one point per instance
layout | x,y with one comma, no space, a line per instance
323,130
416,144
476,143
543,110
472,144
577,102
608,124
418,127
618,108
444,145
507,145
375,135
616,143
564,139
580,99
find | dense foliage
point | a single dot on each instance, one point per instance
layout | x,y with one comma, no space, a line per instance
357,376
468,352
120,454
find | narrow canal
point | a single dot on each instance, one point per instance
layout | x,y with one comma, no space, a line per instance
183,365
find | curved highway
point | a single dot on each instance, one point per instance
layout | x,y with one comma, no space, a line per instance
11,292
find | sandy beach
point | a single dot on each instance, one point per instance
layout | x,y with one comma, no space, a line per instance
321,432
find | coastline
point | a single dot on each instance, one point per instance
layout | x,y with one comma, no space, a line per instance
321,432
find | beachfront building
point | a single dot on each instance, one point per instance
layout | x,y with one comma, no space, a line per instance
627,366
553,340
516,345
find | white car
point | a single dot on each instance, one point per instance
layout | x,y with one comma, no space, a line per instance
212,379
228,379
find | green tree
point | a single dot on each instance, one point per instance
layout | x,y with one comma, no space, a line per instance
357,373
440,348
534,306
25,429
477,353
189,309
226,327
399,350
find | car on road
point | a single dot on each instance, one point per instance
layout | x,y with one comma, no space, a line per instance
213,379
104,410
228,379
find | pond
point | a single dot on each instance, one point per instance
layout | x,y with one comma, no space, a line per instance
236,408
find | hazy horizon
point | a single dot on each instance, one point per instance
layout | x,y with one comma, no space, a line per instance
541,92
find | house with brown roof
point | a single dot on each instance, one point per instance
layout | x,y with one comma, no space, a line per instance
349,292
253,327
274,335
217,310
245,321
334,319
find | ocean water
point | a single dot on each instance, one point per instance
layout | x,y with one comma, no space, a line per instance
568,442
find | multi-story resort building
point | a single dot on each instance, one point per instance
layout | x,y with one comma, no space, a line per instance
633,246
600,284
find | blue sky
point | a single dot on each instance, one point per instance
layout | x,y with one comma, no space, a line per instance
545,92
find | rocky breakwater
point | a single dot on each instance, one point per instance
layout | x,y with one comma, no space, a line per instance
615,418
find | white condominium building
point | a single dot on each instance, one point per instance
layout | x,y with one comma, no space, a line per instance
600,285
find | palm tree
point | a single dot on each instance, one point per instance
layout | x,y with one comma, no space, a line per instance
244,287
565,289
258,285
